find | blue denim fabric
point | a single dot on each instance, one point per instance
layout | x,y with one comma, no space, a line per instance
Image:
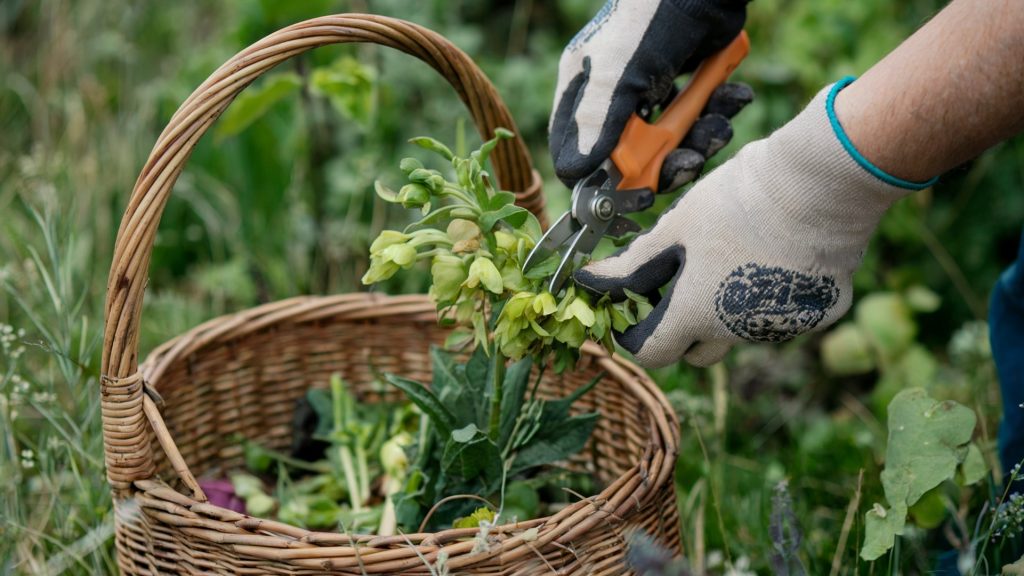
1006,333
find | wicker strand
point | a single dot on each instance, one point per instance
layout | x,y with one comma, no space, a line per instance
126,446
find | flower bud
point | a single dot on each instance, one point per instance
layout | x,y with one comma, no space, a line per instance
407,165
413,195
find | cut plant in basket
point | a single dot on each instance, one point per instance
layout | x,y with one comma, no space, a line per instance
486,427
481,444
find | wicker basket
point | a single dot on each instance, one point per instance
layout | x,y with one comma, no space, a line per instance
175,417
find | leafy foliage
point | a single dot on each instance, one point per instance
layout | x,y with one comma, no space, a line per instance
928,440
456,456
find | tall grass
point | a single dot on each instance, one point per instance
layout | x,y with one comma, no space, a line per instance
86,86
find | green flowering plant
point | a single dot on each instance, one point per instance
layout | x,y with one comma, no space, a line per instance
485,432
476,240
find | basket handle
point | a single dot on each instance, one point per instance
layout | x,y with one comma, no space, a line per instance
126,439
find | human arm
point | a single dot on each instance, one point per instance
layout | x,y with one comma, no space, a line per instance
946,94
764,248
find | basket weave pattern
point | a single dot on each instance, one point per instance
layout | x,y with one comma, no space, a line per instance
181,414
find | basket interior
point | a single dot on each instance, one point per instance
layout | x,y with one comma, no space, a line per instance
246,384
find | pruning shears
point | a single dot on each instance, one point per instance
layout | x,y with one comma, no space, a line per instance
628,180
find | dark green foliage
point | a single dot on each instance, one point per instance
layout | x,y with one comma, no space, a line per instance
459,457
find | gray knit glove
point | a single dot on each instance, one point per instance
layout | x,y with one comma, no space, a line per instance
762,249
625,61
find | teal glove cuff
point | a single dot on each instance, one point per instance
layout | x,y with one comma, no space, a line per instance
852,150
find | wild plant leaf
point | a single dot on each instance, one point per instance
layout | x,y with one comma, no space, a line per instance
409,502
974,468
445,371
517,378
433,145
544,269
485,150
499,200
253,103
469,454
555,443
559,409
322,404
515,216
386,194
928,439
418,394
478,369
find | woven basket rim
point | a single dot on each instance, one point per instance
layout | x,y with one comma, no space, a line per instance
632,489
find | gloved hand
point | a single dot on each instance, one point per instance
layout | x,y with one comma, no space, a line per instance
762,249
625,60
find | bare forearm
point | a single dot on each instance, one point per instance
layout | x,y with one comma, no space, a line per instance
950,91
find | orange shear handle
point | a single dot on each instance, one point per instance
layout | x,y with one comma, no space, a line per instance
642,148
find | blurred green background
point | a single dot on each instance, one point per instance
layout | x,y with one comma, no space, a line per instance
277,201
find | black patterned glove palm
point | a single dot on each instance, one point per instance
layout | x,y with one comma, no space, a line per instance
624,61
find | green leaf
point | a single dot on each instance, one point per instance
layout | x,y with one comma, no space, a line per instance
445,372
465,434
930,510
428,143
253,103
517,379
486,148
974,468
425,399
473,457
555,443
322,403
513,215
881,528
478,369
928,439
543,269
499,200
386,194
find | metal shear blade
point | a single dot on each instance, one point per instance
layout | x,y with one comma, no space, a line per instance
596,212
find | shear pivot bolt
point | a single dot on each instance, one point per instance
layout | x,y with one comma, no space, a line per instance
603,208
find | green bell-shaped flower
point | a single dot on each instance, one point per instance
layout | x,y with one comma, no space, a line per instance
483,272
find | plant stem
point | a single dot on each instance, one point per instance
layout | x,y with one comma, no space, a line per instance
351,479
497,380
342,412
363,471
